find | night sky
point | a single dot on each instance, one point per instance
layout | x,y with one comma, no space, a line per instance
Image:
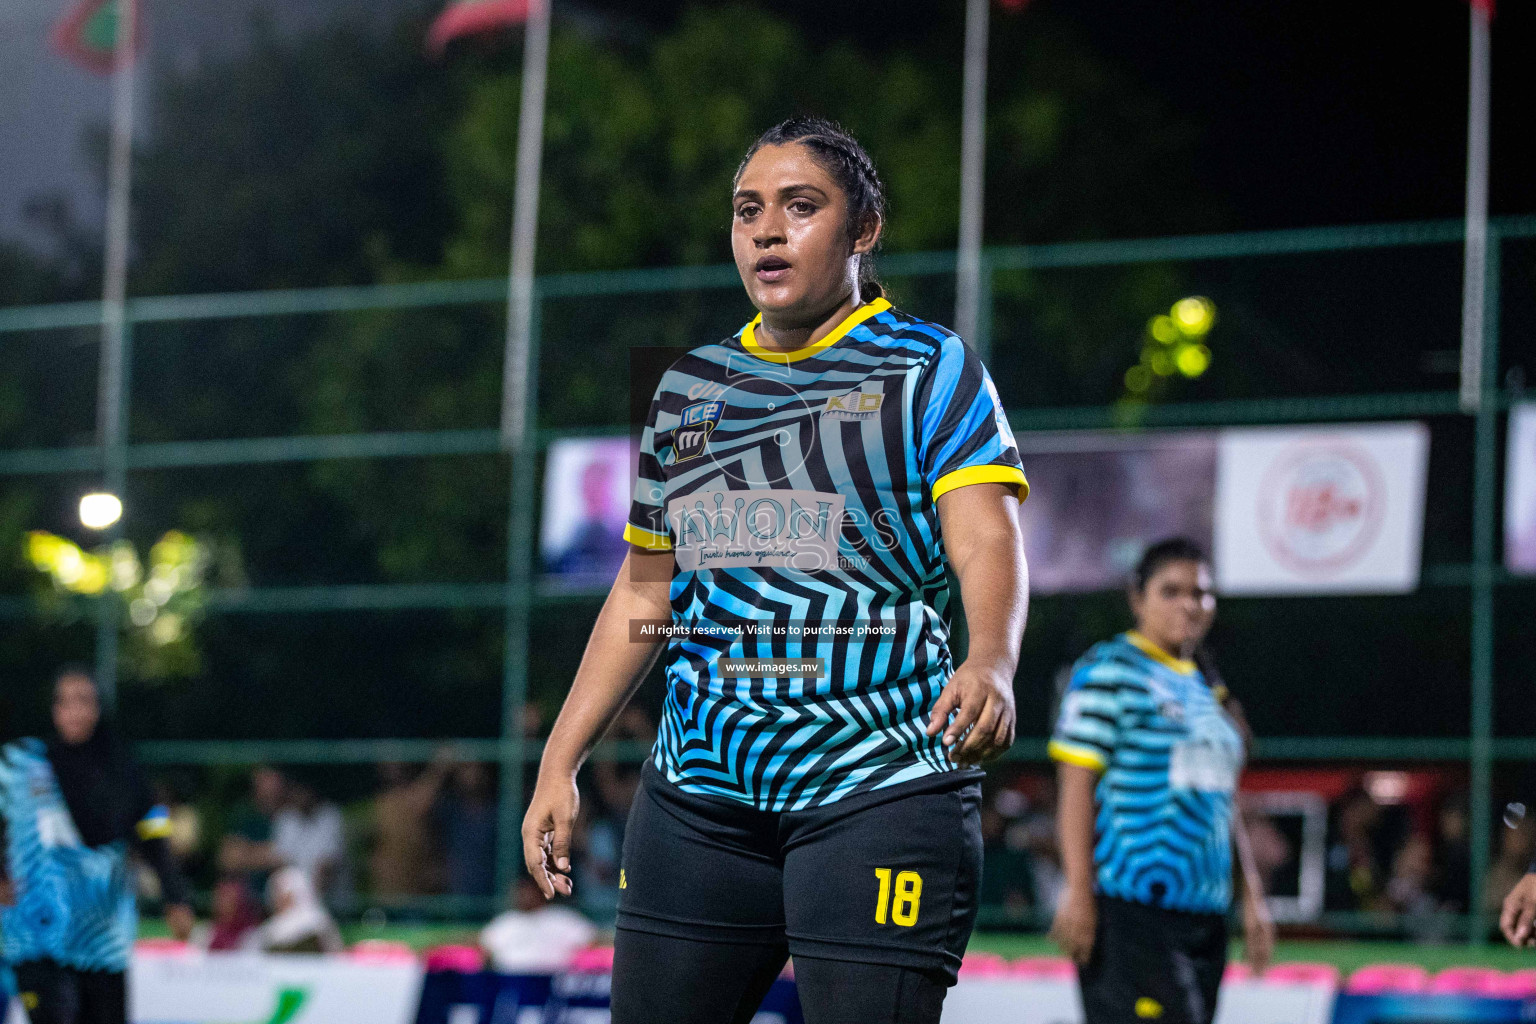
1311,112
1314,112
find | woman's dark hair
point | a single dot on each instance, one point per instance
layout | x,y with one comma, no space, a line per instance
840,155
1174,549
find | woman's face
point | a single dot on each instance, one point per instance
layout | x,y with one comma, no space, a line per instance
789,234
76,709
1175,609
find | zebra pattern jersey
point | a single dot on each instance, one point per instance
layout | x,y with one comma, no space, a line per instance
1170,759
797,492
74,903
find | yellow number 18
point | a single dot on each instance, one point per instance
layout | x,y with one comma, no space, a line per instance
909,893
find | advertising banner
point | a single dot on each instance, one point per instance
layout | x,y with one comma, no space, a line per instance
586,503
1096,500
1422,1008
1320,510
578,998
1520,490
1055,1001
251,988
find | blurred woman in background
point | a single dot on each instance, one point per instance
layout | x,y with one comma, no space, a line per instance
1150,750
73,808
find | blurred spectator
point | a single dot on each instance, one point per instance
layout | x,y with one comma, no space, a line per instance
308,834
235,915
407,860
184,842
600,840
1273,855
186,838
1355,877
1516,845
1411,890
535,936
247,848
1453,855
1412,873
1007,878
299,923
467,812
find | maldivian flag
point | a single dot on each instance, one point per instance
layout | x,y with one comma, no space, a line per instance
472,17
87,35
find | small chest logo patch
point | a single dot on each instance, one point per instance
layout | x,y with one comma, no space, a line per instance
692,433
853,405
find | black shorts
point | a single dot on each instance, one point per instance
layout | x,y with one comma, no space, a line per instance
54,994
885,877
1151,964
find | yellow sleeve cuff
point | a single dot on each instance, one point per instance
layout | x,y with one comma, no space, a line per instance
153,828
1071,753
646,539
982,475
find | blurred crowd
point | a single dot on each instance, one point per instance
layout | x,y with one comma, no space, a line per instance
426,837
423,843
1401,859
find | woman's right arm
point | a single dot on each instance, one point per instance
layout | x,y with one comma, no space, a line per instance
611,671
1077,917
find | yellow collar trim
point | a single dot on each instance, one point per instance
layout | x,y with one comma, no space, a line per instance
1157,654
773,355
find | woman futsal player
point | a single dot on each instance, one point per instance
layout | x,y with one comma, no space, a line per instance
801,487
1158,746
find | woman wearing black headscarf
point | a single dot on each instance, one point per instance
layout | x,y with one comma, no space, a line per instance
73,808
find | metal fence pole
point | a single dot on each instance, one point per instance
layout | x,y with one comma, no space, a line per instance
523,484
1484,527
113,416
982,342
973,156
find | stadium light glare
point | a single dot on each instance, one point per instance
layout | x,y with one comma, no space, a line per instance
1163,329
100,510
1162,363
1193,316
142,611
1138,379
1193,360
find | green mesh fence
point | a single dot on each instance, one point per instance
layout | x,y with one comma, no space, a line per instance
411,614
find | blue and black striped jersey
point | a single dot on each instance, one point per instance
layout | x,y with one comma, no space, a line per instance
797,492
74,903
1170,758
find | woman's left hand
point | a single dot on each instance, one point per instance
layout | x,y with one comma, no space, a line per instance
982,703
1258,934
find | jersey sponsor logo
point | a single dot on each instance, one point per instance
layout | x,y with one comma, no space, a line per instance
853,405
692,433
756,529
1204,766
